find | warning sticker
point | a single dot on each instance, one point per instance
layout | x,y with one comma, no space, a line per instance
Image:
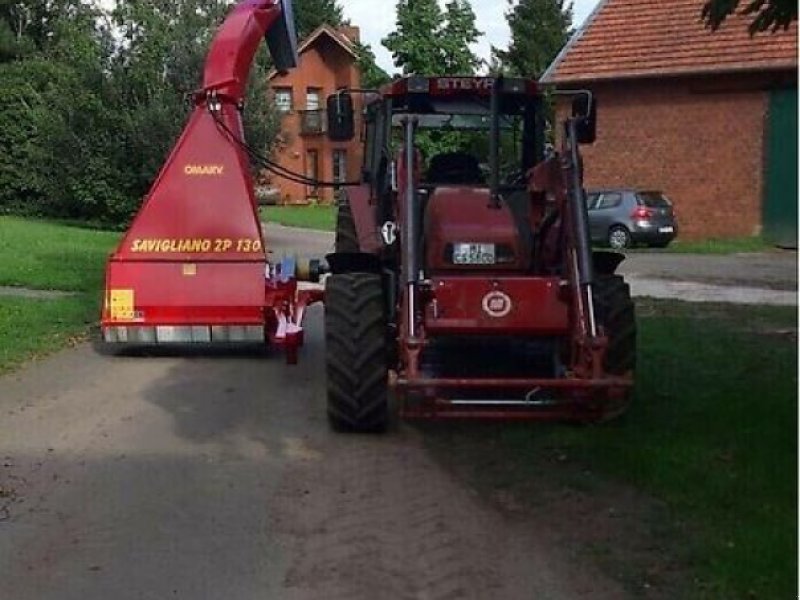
121,305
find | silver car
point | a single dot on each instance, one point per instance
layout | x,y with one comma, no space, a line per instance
620,218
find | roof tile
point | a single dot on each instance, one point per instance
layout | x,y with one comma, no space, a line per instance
634,38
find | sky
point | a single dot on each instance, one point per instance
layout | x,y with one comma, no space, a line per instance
376,18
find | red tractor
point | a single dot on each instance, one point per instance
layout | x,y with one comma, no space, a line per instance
463,277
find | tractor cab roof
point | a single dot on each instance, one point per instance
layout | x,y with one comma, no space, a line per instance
452,87
458,95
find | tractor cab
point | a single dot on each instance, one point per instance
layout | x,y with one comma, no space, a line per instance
474,140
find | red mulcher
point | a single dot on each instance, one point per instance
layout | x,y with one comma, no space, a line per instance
192,268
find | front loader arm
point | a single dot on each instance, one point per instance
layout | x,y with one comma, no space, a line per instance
561,178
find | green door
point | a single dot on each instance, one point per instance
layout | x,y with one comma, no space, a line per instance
780,200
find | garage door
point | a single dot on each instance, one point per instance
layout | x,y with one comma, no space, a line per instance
780,202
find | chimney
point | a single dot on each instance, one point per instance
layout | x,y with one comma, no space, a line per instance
351,33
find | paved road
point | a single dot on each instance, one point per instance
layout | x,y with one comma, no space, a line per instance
772,270
216,477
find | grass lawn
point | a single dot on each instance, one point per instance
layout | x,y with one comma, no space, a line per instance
712,434
322,218
720,246
31,328
48,256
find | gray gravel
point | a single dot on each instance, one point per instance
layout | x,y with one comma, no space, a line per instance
19,292
774,270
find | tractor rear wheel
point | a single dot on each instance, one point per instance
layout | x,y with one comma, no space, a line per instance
356,363
616,314
346,235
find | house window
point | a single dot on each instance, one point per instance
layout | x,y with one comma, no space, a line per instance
312,173
313,98
340,166
283,99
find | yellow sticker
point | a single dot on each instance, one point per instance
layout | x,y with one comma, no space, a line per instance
189,270
120,305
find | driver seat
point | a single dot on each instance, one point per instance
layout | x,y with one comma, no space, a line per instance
455,168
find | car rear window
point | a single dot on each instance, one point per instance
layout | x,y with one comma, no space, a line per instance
654,200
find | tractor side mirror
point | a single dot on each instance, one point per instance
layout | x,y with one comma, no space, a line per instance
584,111
341,117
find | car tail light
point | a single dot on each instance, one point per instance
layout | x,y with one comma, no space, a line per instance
642,213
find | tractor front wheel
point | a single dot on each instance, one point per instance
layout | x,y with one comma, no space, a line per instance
616,315
355,337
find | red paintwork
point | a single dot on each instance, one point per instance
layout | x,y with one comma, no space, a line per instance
367,230
464,214
219,293
183,206
194,254
235,44
456,306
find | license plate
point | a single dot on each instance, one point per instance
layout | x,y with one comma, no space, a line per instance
474,254
666,229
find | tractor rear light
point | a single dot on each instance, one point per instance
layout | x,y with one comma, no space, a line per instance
642,213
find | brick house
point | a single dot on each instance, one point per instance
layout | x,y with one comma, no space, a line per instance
709,118
328,62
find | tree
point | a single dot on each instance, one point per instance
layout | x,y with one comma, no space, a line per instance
458,34
414,44
310,14
372,76
539,29
28,26
769,14
428,41
92,101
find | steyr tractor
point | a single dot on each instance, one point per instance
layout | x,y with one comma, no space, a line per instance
463,278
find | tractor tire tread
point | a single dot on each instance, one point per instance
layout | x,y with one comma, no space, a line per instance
355,334
616,314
